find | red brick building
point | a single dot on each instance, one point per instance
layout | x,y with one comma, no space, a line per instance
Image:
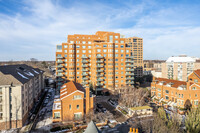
74,102
177,93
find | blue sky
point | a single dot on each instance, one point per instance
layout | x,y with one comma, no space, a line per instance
32,28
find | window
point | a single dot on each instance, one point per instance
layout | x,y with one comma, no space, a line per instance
83,42
122,46
89,46
116,37
116,41
77,46
77,106
122,41
71,41
166,97
77,116
83,51
83,46
196,102
1,116
77,96
65,46
193,88
116,46
104,50
70,107
195,95
0,90
159,89
110,38
89,42
167,91
98,50
104,45
56,115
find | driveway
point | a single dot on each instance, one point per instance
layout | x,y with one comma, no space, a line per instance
117,115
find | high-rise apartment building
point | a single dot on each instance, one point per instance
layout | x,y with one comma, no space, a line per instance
179,67
103,60
136,45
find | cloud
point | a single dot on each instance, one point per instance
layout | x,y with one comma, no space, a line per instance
34,30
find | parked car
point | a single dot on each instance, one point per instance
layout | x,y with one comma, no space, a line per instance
99,105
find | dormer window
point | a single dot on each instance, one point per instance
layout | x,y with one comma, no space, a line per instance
193,88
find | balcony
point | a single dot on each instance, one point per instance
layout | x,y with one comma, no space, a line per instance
99,57
99,84
59,66
84,70
99,61
59,61
85,78
99,65
84,61
129,70
99,75
59,70
84,65
129,73
129,65
59,75
84,74
130,82
99,79
129,61
129,57
130,78
99,70
59,57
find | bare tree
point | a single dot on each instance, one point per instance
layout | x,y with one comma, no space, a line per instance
132,97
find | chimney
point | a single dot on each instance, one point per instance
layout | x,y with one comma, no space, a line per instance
87,100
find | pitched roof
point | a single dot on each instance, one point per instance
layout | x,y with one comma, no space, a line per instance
92,128
175,83
69,88
197,72
17,74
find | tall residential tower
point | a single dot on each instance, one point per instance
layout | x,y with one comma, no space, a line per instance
103,60
136,45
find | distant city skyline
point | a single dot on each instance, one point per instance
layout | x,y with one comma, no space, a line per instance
31,28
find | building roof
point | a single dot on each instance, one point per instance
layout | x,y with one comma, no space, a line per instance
17,74
173,83
140,108
92,128
197,72
181,58
69,88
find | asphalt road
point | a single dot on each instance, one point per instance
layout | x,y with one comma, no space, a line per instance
117,115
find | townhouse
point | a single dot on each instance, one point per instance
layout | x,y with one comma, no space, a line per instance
177,93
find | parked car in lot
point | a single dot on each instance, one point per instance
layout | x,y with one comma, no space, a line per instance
103,110
99,106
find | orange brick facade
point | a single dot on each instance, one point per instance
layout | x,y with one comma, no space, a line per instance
74,103
103,60
177,93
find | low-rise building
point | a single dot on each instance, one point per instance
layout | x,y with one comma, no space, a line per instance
142,110
73,103
177,93
20,87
